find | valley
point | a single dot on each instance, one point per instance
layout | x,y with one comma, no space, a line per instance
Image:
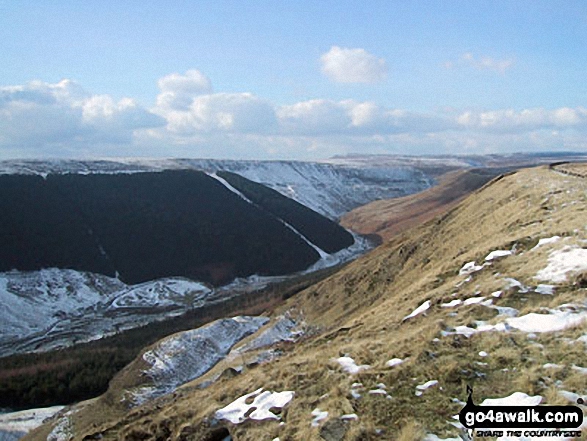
350,307
494,299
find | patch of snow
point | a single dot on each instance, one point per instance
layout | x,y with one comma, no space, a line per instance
284,328
515,399
563,262
160,293
419,310
555,321
62,431
318,416
581,370
545,289
394,362
473,300
547,241
356,395
506,311
451,304
349,417
377,392
24,421
469,268
422,387
497,254
239,411
348,365
571,396
552,366
513,283
496,294
483,354
187,355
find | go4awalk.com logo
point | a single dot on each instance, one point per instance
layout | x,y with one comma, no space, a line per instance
531,421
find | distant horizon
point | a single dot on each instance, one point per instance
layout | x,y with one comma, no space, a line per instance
350,155
267,80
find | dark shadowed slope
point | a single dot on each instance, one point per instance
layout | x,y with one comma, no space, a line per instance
145,226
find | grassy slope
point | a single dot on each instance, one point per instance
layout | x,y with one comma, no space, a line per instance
360,309
389,217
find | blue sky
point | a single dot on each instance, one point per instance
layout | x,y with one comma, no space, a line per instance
291,79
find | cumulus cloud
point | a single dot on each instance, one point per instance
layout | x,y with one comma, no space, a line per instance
344,65
487,63
178,91
40,114
189,119
524,120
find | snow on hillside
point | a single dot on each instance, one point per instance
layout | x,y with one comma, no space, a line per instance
256,406
187,355
52,308
329,188
14,425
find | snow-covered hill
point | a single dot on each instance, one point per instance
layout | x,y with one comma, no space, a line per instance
328,188
52,308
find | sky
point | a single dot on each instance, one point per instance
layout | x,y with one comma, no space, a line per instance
279,79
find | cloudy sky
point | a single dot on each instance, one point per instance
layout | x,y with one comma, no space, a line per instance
272,79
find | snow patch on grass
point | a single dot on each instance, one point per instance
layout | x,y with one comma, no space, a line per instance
259,408
547,241
318,415
497,254
515,399
422,387
545,289
394,362
563,262
419,310
348,365
469,268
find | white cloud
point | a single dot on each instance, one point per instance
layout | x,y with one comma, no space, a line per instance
344,65
221,112
524,120
61,119
487,63
314,117
63,114
178,91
